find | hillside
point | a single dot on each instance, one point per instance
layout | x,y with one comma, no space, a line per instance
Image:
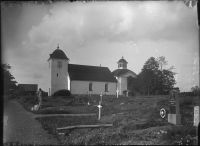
136,120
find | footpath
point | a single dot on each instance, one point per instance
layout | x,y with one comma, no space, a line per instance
21,127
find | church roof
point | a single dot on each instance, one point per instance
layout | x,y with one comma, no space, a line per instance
58,54
90,73
119,72
122,60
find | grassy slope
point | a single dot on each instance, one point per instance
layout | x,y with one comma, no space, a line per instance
136,121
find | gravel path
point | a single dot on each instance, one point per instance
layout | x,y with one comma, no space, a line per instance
20,126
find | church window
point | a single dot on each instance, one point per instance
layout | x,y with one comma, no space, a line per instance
106,87
90,87
57,74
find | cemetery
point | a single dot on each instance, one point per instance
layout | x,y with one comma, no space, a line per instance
107,119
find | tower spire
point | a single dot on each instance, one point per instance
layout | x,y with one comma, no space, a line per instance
58,47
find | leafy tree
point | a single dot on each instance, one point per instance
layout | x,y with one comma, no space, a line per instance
195,90
162,62
8,80
153,77
151,64
133,84
177,89
146,77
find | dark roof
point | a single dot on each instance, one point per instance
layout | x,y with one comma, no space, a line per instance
122,60
58,54
119,72
90,73
29,87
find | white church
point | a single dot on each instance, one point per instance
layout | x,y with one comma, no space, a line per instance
84,79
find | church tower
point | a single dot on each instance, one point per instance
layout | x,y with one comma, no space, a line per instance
122,64
58,71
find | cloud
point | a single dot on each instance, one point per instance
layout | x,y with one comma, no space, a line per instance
119,21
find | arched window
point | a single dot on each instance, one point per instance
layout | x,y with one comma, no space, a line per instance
90,87
106,87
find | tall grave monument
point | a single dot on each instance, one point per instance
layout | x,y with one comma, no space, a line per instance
174,115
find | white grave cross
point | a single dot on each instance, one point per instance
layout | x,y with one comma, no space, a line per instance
117,92
99,106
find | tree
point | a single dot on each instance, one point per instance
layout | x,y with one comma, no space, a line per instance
153,77
8,80
162,62
133,84
151,64
177,89
195,90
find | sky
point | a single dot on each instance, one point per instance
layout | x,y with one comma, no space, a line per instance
95,33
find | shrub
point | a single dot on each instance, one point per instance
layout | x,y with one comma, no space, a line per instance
130,93
186,94
180,135
124,92
62,93
186,101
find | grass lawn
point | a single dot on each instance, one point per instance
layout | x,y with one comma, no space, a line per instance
136,120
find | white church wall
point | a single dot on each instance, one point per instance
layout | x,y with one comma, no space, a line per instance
123,84
82,87
59,76
119,85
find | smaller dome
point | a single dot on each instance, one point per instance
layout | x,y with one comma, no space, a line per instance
122,60
58,54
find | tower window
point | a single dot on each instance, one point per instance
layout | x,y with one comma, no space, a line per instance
59,64
57,74
90,87
106,87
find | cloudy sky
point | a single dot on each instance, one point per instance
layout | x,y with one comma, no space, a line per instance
97,33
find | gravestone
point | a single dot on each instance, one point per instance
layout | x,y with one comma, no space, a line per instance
174,115
196,116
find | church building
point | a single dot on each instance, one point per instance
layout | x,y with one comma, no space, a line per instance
84,79
121,74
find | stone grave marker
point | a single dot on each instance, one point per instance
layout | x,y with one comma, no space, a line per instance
174,115
196,116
